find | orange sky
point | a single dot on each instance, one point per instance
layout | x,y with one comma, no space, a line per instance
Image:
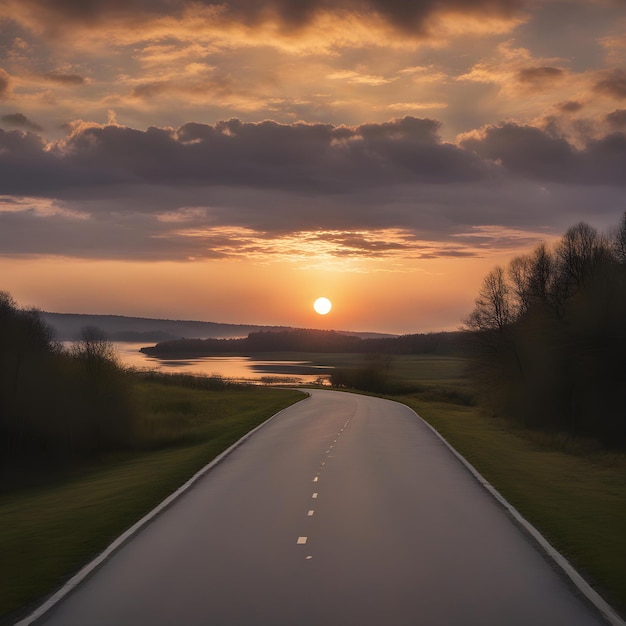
232,161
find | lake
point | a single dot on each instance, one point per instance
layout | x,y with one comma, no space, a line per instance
237,368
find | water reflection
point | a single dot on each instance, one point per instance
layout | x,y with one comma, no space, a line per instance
238,368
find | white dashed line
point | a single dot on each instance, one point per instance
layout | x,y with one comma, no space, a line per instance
310,513
302,540
314,495
315,479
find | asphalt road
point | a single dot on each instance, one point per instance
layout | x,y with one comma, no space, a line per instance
344,510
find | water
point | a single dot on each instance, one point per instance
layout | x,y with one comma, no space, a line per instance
237,368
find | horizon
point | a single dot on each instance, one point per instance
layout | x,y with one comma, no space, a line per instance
211,160
199,321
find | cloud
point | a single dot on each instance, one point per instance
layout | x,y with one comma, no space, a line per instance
351,76
412,19
404,14
570,106
212,165
5,84
617,119
517,72
64,79
613,84
537,155
151,90
306,158
20,120
539,77
378,190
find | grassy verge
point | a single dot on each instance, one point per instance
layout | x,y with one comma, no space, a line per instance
47,533
578,501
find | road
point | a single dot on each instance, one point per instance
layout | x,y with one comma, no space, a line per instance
344,510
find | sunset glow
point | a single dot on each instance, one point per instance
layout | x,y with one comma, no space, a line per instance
210,160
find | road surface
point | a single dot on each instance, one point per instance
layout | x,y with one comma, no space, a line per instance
344,510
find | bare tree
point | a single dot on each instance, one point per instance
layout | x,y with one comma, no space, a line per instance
520,272
542,274
493,310
577,253
619,241
94,345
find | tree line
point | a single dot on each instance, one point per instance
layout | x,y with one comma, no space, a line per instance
305,340
548,336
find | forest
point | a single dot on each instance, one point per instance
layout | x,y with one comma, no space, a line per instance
547,337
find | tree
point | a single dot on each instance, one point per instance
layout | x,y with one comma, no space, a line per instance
578,253
619,242
548,346
493,310
520,273
542,275
94,347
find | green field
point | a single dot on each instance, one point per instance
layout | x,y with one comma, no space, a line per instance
47,533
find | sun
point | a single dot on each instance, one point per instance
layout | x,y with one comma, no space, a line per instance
322,306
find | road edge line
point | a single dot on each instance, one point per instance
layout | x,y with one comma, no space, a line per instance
584,588
116,544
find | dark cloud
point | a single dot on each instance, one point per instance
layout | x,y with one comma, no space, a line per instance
411,16
306,158
215,87
21,121
314,160
116,192
150,90
5,83
535,154
617,119
571,106
613,84
64,79
539,76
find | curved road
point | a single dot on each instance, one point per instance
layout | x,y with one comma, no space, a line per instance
344,510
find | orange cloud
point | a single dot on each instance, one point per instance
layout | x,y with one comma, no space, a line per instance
317,25
6,85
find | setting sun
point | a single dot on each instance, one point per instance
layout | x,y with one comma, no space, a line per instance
322,306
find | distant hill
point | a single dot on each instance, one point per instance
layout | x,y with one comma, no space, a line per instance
68,327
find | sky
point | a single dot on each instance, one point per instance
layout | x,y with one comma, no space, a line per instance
231,161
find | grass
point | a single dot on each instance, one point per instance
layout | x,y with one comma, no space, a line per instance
47,533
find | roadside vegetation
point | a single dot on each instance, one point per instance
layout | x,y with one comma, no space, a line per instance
88,448
548,337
